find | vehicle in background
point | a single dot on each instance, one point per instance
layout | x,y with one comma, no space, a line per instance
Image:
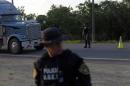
15,33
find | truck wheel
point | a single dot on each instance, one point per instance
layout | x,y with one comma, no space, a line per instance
39,47
15,46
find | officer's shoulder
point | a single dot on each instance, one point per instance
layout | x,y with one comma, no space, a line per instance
39,61
73,56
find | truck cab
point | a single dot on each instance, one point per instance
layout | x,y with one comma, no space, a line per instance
15,33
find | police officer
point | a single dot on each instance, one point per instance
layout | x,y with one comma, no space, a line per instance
59,67
86,35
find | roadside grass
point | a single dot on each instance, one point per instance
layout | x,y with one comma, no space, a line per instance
109,41
82,41
72,41
96,42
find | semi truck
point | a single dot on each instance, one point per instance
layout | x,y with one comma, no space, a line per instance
16,33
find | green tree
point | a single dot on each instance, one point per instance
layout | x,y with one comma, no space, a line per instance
112,19
22,10
116,16
84,12
42,19
127,2
64,18
30,17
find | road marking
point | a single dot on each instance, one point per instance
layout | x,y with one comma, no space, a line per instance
86,58
33,56
112,59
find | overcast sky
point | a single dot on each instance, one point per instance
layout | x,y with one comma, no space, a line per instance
42,6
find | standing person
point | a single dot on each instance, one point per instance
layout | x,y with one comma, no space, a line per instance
59,67
86,35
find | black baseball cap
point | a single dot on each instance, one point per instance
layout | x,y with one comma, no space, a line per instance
52,35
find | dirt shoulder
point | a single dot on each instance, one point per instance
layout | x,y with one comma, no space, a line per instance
17,71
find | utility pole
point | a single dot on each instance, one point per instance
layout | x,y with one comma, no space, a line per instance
93,22
13,2
88,1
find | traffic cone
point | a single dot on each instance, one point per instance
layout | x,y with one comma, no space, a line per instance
120,44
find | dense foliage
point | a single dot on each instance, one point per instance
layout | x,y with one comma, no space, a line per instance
112,19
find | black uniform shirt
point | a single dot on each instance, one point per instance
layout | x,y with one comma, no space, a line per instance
86,33
66,69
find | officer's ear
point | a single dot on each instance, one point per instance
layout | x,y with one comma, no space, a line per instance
34,73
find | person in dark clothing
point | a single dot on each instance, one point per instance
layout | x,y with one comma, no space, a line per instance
87,37
59,67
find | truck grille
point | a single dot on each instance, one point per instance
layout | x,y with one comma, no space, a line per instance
34,32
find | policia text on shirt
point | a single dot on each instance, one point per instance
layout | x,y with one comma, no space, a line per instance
58,67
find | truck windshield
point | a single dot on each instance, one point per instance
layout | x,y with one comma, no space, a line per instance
11,18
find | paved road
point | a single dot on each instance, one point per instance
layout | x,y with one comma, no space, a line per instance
107,51
102,51
15,70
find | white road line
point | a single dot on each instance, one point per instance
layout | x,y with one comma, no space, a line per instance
33,56
112,59
86,58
